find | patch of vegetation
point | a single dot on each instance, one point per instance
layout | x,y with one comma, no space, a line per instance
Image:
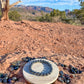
14,15
0,14
54,16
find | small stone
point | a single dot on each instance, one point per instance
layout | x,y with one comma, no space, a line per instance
61,73
72,76
0,80
14,78
72,71
6,77
13,64
26,59
60,79
9,80
59,64
67,81
33,58
16,67
1,75
11,68
4,80
77,71
43,57
65,68
80,72
65,65
61,76
62,65
18,63
70,66
67,76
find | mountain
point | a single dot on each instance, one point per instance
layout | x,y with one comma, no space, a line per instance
35,8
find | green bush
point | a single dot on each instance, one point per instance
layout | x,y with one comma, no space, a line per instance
0,14
68,20
14,15
54,16
46,18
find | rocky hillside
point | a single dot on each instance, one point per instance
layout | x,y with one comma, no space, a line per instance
59,42
36,8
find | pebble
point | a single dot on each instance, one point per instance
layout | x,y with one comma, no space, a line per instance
74,70
65,68
1,75
61,73
62,65
4,80
14,78
72,76
67,76
16,67
27,59
67,81
60,79
80,72
9,80
11,68
43,57
0,80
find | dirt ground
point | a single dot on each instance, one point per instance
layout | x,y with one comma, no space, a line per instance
62,43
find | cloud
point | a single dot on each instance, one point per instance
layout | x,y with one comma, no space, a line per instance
53,2
57,4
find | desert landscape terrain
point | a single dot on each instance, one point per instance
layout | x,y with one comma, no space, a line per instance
59,42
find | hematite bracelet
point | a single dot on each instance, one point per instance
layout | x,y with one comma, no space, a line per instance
40,73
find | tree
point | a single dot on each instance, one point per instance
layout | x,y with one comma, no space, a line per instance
53,13
62,14
81,3
4,5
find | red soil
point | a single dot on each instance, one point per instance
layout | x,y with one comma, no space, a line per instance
62,43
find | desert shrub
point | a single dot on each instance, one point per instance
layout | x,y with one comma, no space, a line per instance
0,14
14,15
53,16
46,18
68,20
56,19
55,13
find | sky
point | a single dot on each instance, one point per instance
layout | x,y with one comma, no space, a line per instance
55,4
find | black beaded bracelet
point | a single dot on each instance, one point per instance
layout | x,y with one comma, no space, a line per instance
40,73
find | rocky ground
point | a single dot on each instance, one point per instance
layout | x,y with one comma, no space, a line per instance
62,43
